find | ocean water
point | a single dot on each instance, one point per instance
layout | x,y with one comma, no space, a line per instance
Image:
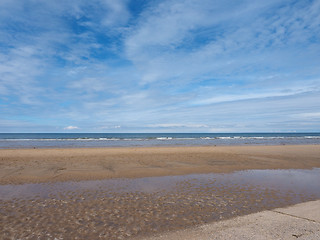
78,140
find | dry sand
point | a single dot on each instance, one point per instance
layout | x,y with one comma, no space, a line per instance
47,165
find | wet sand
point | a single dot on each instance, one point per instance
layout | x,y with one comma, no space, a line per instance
124,208
121,208
50,165
301,221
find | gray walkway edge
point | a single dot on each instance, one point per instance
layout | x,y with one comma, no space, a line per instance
301,221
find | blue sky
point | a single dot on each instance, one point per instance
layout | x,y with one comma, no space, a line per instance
159,66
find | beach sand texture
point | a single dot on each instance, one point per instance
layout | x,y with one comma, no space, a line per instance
43,165
110,213
301,221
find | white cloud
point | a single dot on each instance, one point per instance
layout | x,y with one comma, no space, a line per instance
18,70
165,45
71,128
110,127
248,96
117,13
177,125
176,64
309,115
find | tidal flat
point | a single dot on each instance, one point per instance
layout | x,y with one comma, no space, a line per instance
125,208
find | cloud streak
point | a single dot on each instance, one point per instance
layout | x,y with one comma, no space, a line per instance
160,65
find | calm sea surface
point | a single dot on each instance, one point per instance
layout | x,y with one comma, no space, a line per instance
78,140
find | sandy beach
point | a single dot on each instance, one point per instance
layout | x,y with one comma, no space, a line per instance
125,199
159,120
47,165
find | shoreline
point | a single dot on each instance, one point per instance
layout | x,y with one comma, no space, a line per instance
76,164
160,146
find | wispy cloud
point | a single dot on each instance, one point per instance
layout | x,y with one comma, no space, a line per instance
159,65
308,115
221,41
177,125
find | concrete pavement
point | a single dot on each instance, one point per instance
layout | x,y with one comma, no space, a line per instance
301,221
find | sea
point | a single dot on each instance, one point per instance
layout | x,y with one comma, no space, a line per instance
96,140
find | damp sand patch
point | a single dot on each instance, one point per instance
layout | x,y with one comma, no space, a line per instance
123,208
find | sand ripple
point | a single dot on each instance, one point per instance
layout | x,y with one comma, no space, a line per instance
106,214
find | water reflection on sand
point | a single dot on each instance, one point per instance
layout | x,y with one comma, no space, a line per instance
122,208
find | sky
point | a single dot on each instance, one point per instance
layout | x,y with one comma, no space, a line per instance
159,66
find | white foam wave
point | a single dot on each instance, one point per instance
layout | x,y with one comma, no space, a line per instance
231,138
164,138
